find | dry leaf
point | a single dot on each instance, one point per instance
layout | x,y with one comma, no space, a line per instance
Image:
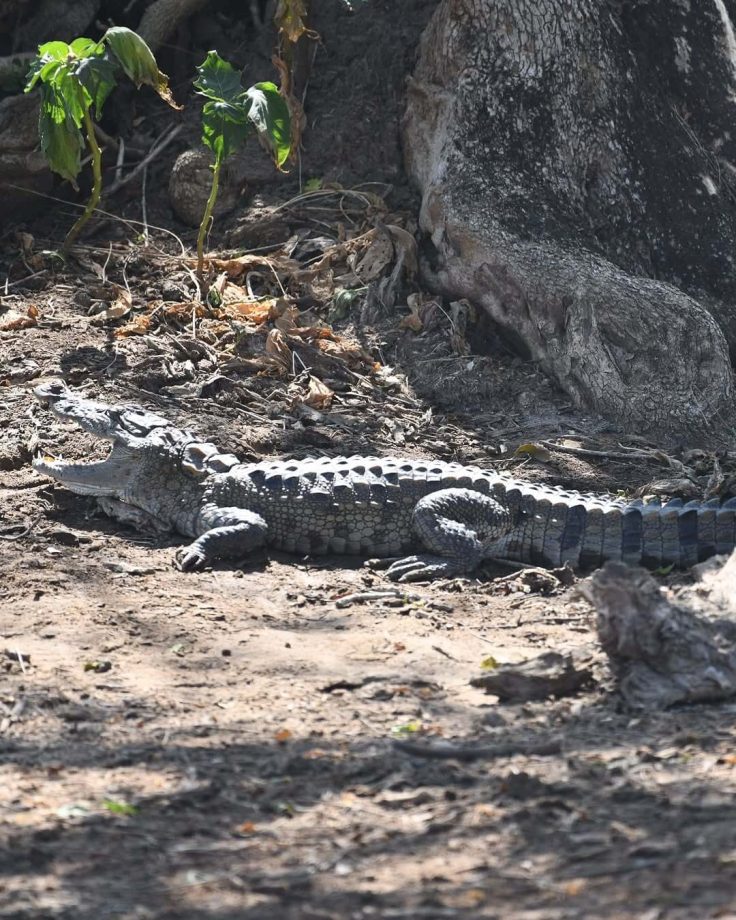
139,325
277,348
257,311
11,320
233,293
574,887
237,268
34,260
319,396
470,897
537,451
291,19
377,258
412,321
118,309
25,241
282,735
404,241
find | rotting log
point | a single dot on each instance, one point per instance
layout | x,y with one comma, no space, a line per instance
577,166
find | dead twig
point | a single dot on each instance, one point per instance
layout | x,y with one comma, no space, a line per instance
360,597
634,453
23,533
155,150
446,750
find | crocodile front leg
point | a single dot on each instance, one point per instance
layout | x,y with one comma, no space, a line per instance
459,528
130,515
225,532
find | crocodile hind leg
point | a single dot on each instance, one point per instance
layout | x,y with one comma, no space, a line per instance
458,527
233,532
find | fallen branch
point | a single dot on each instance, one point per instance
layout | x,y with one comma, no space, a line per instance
663,652
549,674
445,750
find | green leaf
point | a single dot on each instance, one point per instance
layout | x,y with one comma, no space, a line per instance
270,115
229,110
342,302
224,128
61,140
69,97
489,663
49,59
408,728
85,47
120,808
97,76
137,61
54,51
99,667
34,74
218,80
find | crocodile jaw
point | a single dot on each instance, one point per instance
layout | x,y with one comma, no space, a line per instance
118,424
108,477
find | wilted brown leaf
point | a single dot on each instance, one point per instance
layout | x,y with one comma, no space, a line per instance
139,325
291,19
412,321
237,268
119,308
348,352
377,258
404,241
183,311
277,348
319,395
12,320
285,316
257,311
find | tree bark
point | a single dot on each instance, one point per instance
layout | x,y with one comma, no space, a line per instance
576,163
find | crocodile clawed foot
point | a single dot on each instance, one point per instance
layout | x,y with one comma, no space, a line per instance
423,568
190,559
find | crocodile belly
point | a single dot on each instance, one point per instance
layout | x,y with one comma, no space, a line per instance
364,529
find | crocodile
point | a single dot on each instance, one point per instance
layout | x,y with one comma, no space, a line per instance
438,518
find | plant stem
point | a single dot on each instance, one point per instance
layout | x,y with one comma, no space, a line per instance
96,187
204,226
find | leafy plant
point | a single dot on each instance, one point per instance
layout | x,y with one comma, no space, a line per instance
75,78
230,115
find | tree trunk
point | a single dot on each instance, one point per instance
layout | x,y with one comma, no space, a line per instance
576,162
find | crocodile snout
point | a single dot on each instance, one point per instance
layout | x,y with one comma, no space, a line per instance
48,393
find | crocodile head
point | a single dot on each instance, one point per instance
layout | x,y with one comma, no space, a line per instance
152,464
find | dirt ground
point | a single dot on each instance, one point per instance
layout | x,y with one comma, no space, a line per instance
227,744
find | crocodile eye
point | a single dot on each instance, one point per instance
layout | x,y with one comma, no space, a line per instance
194,459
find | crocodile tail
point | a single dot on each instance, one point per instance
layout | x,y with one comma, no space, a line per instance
674,533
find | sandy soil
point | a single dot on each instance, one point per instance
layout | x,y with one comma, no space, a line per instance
223,744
